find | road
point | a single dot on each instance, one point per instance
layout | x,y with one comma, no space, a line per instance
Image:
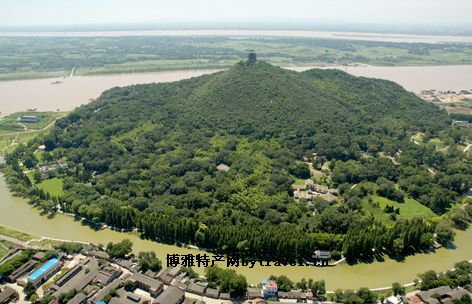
33,131
467,148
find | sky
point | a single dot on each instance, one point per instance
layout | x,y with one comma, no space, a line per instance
82,12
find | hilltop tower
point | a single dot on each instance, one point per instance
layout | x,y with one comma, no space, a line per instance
252,57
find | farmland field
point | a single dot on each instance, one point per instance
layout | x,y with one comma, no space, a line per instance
41,57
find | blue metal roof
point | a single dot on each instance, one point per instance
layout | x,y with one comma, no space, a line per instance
44,268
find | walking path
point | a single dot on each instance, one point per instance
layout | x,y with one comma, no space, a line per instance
467,148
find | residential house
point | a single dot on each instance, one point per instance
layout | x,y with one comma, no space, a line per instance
269,288
253,293
153,286
107,274
394,300
225,296
171,295
197,288
24,269
212,293
79,298
8,295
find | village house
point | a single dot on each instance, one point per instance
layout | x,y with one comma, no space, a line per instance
153,286
8,295
172,295
269,288
253,293
107,274
445,293
394,300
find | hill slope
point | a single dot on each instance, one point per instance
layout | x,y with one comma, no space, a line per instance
146,155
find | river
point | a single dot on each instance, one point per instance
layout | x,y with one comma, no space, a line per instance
384,37
19,95
16,213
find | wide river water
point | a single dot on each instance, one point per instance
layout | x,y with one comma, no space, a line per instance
16,213
19,95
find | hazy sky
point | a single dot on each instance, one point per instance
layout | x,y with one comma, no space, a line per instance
52,12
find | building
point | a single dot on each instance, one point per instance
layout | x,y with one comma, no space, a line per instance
393,300
107,274
461,123
25,268
69,275
172,295
153,286
269,288
445,293
253,293
252,56
8,295
29,118
222,168
45,272
79,298
322,256
196,289
212,293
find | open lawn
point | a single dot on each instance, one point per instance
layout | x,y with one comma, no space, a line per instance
15,234
13,133
437,143
409,209
53,186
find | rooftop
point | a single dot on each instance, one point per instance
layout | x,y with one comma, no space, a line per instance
43,269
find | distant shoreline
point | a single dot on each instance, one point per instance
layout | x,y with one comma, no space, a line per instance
365,36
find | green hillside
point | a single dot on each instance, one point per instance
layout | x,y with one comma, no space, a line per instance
146,156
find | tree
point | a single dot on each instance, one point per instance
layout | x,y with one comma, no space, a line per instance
37,177
119,250
366,295
398,289
444,232
29,289
283,282
148,260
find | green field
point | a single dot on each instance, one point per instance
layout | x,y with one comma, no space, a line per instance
409,209
53,186
15,234
13,133
22,58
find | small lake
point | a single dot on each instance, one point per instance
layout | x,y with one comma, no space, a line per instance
16,213
19,95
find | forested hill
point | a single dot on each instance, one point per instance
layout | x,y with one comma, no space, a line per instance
146,156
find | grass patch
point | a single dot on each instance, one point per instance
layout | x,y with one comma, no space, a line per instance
53,186
411,208
299,182
437,143
3,250
22,236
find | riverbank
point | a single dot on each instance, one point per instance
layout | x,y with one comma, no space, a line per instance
18,214
78,90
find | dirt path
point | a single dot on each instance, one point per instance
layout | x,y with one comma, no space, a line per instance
467,148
